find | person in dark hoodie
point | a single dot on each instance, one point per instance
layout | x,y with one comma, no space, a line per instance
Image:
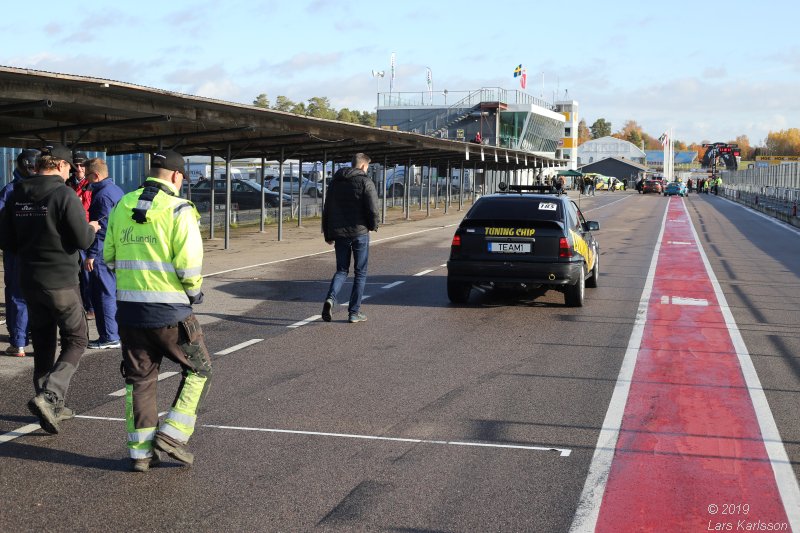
45,225
350,213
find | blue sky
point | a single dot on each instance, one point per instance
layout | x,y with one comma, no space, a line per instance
711,71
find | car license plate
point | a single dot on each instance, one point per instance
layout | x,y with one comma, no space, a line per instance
510,247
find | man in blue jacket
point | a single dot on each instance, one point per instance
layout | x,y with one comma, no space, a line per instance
102,282
350,213
16,309
45,224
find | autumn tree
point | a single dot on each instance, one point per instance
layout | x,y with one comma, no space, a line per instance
583,132
784,142
745,150
600,128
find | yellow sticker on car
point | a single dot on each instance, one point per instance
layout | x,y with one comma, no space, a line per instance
510,232
583,249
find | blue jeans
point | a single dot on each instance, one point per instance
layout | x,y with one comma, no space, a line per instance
359,247
16,309
103,289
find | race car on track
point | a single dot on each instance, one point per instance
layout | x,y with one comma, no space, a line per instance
676,187
523,238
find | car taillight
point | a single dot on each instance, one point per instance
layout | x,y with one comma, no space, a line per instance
564,249
456,240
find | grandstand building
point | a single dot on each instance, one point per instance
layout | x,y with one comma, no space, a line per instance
492,116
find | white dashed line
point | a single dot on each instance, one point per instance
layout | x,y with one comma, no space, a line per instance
365,297
395,284
424,272
304,322
24,430
238,347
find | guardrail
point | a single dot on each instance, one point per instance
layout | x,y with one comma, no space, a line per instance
774,191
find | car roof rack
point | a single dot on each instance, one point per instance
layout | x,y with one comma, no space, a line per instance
540,189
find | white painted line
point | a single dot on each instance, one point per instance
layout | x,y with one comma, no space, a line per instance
588,509
781,467
163,375
603,206
678,300
395,284
375,241
678,242
424,272
443,265
563,452
304,322
19,432
238,347
87,417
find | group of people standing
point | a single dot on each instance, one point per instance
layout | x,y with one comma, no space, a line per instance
143,253
97,195
706,185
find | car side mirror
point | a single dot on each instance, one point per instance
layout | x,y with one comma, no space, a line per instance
592,225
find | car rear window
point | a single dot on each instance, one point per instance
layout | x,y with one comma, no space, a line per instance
516,208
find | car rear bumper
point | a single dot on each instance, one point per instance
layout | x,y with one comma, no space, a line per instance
513,272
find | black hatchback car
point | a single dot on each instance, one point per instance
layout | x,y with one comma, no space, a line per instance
519,238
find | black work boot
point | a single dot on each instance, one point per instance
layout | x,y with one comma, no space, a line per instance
45,406
172,448
144,464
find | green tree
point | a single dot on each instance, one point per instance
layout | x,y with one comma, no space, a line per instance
320,107
283,104
261,101
368,119
299,109
600,128
345,115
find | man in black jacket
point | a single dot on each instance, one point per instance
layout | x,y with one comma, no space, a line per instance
45,225
350,213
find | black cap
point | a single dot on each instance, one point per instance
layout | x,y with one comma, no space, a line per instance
59,151
169,160
79,158
27,158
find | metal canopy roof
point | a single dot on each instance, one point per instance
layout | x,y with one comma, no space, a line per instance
119,118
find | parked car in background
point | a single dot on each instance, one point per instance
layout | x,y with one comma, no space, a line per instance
292,185
244,195
652,186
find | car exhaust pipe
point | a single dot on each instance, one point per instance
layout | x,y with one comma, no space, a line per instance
551,277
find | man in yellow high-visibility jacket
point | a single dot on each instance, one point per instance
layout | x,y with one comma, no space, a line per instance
153,244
